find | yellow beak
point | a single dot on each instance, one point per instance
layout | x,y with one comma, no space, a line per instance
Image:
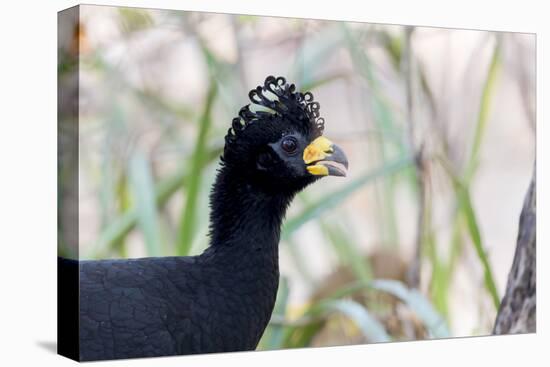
324,158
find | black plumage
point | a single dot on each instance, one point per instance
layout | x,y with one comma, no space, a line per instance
222,299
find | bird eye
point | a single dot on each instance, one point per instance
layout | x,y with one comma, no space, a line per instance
289,144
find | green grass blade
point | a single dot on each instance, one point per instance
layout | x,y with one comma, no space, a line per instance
119,228
440,277
302,333
443,271
335,198
342,241
475,235
418,303
393,46
368,324
315,49
466,210
385,118
347,250
300,336
143,190
299,260
113,234
483,115
312,84
273,337
463,188
187,226
124,202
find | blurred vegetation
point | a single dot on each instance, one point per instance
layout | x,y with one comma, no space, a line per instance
151,198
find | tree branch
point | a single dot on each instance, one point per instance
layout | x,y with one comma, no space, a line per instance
518,310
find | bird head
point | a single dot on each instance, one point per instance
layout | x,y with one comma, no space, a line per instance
278,142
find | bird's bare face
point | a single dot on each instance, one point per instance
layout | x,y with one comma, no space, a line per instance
295,160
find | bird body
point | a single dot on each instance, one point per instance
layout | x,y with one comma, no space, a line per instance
221,300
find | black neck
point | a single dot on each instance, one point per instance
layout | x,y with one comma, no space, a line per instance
243,216
245,226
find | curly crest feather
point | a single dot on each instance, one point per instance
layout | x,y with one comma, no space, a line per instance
298,108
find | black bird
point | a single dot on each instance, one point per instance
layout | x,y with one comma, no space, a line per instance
221,300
